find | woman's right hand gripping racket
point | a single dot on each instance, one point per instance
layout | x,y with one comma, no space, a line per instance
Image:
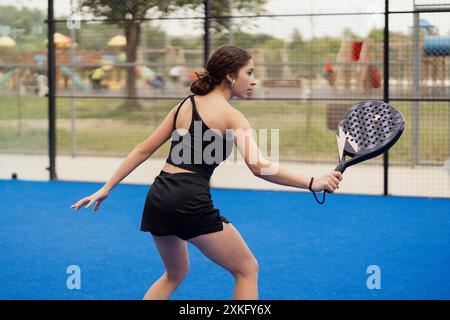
366,130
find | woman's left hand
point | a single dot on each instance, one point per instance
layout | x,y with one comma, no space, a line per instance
98,197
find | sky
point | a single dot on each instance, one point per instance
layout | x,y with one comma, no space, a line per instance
283,27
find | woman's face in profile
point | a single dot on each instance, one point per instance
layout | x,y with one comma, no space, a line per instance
245,81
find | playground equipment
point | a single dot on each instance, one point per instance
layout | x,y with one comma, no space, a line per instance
434,51
428,51
76,79
165,58
174,63
266,82
5,78
285,79
117,41
426,56
355,68
437,45
173,66
7,42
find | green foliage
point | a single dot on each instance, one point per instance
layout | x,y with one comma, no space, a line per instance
27,27
21,18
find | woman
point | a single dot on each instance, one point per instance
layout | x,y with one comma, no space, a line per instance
178,207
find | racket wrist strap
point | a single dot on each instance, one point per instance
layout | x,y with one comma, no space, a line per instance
310,189
310,184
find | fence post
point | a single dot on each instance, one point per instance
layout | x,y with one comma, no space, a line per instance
416,89
207,43
51,92
386,89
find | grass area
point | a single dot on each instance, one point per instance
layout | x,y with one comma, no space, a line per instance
104,128
30,140
31,107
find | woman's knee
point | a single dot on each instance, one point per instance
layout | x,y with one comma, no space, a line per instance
248,269
179,271
177,275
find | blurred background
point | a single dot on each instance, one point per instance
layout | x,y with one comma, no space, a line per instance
120,66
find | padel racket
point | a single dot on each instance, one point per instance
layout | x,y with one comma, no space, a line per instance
366,130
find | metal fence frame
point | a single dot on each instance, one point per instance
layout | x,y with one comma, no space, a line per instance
207,47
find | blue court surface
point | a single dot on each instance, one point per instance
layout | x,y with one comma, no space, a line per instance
305,251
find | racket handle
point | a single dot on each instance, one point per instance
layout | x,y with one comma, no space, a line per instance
341,167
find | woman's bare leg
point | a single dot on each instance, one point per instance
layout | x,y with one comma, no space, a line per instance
228,249
174,254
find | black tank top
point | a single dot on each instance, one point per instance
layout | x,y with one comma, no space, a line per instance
201,149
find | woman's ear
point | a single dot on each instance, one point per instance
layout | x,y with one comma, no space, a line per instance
229,77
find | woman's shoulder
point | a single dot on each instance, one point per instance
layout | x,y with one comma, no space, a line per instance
226,112
218,107
235,119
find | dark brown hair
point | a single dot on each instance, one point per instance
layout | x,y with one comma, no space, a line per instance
224,60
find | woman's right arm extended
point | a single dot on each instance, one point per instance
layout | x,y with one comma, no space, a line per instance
266,169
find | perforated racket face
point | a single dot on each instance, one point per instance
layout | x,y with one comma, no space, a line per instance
368,128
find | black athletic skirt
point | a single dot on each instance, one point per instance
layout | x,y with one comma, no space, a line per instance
180,204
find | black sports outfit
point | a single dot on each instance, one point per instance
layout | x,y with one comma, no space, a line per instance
180,203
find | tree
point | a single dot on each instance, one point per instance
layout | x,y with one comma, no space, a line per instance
377,35
349,34
296,38
26,27
296,45
21,18
129,15
225,8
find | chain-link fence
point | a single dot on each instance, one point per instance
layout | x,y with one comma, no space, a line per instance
122,65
